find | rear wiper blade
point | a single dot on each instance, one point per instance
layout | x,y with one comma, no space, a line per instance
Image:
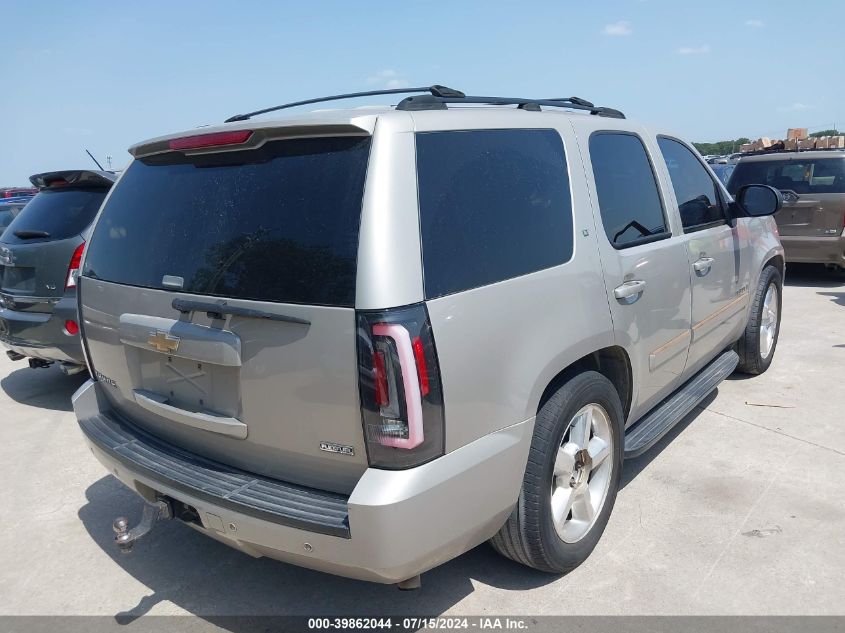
217,310
28,235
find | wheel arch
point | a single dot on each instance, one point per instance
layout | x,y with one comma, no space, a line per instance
612,362
777,260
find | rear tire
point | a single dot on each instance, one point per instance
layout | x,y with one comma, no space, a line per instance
586,412
756,348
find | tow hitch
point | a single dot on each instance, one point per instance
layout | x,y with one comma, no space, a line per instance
69,369
153,512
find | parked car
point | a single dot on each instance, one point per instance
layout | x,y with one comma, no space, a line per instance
812,221
723,171
17,192
40,252
10,208
367,341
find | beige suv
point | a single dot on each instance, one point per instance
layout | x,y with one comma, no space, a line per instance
365,341
812,221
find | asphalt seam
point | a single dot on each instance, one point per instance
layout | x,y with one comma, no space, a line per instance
765,428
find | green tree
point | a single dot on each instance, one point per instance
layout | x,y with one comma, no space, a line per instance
826,133
720,147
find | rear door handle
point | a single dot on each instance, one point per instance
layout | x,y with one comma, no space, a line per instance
630,291
702,265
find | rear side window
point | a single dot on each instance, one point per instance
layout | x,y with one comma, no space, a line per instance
494,204
60,213
629,201
821,175
278,223
696,192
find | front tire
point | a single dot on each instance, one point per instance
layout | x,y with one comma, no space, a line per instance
756,348
571,480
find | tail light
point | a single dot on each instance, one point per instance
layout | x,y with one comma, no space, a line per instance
401,393
73,267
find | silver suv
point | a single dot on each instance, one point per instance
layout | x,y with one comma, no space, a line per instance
365,341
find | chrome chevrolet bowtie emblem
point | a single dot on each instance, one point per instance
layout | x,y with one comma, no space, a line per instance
164,342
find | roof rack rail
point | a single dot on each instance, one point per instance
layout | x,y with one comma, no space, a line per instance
434,91
439,96
439,102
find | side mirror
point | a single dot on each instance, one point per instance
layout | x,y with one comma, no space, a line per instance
759,200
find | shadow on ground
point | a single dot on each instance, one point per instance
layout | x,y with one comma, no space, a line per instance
813,276
212,580
634,467
215,582
837,297
45,388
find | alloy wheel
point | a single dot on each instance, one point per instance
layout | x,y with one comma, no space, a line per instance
583,470
769,321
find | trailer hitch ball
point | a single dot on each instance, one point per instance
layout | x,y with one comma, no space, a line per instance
122,537
125,538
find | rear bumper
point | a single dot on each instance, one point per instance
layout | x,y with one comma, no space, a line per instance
394,525
815,250
42,335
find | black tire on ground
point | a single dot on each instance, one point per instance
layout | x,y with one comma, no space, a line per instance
529,535
748,346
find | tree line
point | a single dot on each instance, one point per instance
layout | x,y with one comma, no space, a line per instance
722,148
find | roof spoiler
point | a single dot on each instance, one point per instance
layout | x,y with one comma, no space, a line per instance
76,177
260,134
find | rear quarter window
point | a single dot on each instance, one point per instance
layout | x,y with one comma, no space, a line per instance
494,204
278,223
61,213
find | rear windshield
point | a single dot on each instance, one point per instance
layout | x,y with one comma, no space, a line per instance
278,223
819,175
58,213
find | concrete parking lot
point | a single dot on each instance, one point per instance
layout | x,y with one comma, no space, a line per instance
739,511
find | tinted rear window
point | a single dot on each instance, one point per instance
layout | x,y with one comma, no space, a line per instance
279,223
494,204
62,213
629,200
819,175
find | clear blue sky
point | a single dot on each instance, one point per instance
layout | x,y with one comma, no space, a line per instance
104,75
